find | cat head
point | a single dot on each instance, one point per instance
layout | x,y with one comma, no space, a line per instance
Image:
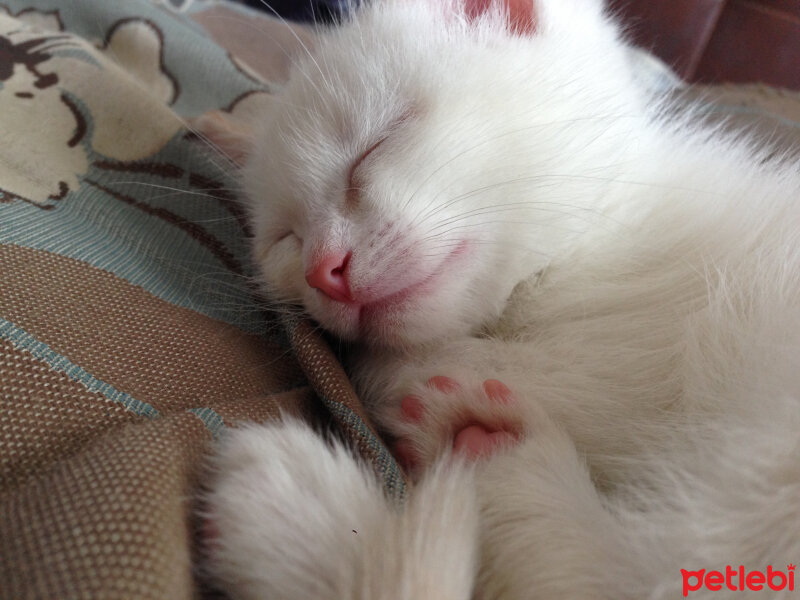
420,161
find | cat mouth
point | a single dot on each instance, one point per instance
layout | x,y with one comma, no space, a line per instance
384,318
388,303
385,311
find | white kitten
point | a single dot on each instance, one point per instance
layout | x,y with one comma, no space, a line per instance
554,275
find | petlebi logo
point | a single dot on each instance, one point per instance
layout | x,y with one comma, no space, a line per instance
739,579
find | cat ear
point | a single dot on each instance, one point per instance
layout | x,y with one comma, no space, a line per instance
230,131
521,14
226,135
259,44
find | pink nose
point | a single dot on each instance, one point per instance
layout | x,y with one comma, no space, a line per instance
327,274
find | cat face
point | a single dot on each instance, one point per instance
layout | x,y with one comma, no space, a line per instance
416,166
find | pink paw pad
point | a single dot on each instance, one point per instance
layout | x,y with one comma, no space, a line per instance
412,409
498,391
405,454
477,440
473,436
411,406
443,384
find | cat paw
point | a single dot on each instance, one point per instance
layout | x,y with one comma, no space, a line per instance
282,496
474,420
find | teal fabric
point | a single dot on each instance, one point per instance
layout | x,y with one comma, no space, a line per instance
152,221
97,165
204,72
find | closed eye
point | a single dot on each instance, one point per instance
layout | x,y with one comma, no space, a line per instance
285,235
352,194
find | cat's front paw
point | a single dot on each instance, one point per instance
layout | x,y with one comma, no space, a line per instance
471,418
291,515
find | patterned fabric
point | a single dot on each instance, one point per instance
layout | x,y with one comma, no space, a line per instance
129,335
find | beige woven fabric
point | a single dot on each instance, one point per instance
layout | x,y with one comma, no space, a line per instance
97,490
96,495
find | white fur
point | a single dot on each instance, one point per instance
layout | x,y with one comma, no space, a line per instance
301,519
632,276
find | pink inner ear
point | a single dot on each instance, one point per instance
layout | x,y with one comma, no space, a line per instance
521,13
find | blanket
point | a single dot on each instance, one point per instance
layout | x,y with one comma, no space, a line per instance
131,335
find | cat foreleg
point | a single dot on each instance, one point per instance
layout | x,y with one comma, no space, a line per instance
298,518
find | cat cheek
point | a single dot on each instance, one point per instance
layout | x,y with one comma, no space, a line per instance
280,264
272,243
228,136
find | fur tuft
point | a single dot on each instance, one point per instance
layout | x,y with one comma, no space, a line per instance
299,518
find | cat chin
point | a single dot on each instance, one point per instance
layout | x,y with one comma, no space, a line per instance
391,323
382,324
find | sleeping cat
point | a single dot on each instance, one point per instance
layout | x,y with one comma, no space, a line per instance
578,314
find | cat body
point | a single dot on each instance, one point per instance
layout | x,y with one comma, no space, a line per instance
578,315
